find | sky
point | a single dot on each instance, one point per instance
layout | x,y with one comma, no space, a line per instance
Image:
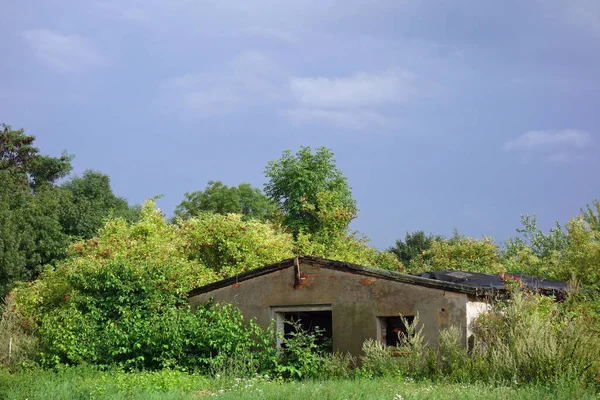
442,115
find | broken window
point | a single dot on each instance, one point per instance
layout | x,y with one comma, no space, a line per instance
310,319
393,330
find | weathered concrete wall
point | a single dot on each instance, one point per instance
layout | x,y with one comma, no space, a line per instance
356,302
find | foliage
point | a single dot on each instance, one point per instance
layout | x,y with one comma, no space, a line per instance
412,357
413,246
580,259
542,245
150,249
18,348
21,158
338,366
301,355
88,202
349,248
221,199
229,245
30,233
76,383
591,215
460,253
312,192
531,338
561,254
37,217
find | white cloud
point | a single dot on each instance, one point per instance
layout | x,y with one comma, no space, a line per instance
534,140
360,90
60,51
340,118
250,79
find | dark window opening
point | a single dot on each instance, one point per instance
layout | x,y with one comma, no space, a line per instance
393,330
310,321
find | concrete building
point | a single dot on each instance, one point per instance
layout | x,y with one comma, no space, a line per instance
352,303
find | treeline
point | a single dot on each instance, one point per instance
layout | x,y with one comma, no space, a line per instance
306,196
97,281
40,218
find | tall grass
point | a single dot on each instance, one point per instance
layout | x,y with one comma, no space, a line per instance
18,348
528,339
76,383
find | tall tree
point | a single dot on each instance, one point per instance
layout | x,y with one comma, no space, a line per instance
30,233
312,192
222,199
88,201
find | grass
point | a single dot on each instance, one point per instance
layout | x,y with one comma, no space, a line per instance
87,383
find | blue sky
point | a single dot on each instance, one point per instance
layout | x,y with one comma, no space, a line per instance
442,115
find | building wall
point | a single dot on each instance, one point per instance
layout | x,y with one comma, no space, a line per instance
356,302
475,307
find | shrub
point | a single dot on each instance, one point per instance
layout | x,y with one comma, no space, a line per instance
412,357
337,366
453,356
301,355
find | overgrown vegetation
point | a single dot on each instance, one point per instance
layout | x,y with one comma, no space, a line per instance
98,291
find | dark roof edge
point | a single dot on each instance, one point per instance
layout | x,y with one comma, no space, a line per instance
244,276
395,276
347,267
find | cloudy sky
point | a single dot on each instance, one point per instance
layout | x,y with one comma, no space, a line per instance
442,114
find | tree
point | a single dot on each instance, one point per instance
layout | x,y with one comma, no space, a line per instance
541,244
313,194
222,199
414,245
88,201
21,158
591,215
30,234
460,253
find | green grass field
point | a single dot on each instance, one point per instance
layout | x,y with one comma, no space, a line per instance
84,383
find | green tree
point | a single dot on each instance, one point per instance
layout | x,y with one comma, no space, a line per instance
222,199
591,215
88,201
541,244
22,159
413,245
459,253
313,194
30,234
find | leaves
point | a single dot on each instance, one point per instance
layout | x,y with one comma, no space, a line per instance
313,194
220,199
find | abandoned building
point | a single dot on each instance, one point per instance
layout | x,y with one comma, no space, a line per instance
352,303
